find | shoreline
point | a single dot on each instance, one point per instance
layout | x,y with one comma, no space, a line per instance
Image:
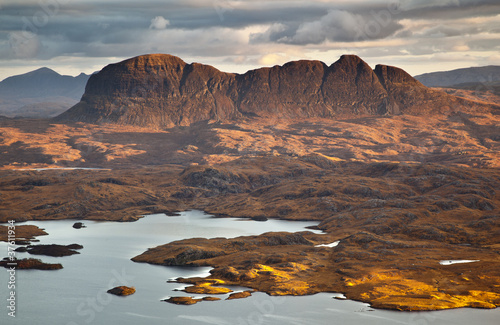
340,287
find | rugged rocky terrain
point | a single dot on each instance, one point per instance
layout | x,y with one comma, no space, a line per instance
467,139
163,91
403,176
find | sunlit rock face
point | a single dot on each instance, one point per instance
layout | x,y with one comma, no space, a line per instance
161,90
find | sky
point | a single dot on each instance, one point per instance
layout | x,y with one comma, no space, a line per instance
74,36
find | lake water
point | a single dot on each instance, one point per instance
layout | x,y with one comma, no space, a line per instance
77,294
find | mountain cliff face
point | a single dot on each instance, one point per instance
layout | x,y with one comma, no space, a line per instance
161,90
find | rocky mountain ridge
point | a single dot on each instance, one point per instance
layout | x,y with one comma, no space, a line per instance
161,90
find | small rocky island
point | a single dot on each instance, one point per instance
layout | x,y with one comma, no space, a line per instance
122,291
188,300
240,295
29,264
51,250
79,225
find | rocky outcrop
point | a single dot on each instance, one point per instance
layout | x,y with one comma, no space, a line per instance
161,90
240,295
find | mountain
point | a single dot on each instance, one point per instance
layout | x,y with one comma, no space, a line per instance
40,93
161,90
43,83
478,75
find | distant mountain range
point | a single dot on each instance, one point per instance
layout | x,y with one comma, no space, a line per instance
455,78
40,93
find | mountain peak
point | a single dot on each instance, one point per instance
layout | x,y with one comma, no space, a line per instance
40,93
351,64
350,58
43,70
152,60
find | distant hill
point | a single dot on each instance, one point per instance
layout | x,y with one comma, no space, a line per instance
161,90
471,76
40,93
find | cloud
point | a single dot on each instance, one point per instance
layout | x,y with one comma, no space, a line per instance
159,23
336,25
250,33
448,9
23,45
273,33
485,44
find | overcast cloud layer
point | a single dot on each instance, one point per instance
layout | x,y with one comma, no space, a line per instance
72,36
